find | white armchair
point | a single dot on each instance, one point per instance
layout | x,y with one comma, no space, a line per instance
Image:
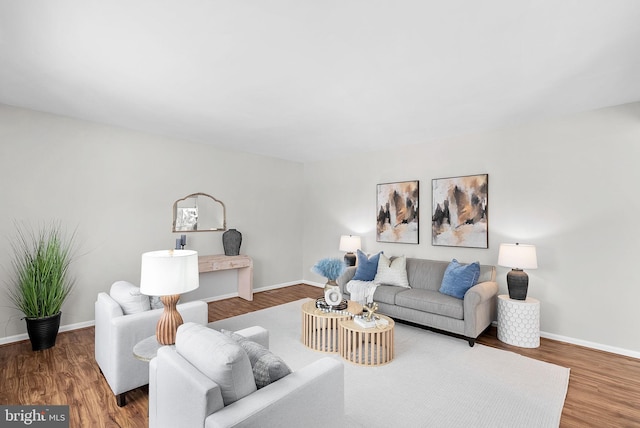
116,334
182,395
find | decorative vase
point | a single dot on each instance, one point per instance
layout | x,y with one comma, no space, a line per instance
231,241
332,294
43,331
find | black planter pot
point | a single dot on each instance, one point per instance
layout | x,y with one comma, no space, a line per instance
43,331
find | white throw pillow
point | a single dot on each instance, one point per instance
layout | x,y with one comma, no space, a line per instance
129,298
392,272
219,357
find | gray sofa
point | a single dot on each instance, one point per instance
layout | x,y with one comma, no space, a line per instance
424,305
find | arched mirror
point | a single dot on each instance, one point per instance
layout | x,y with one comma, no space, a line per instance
198,212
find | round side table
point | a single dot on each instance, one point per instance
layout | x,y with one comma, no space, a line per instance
519,321
367,346
320,329
147,349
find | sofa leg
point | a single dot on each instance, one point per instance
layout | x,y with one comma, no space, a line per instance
121,400
471,341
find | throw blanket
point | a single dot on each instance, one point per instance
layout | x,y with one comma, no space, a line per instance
362,291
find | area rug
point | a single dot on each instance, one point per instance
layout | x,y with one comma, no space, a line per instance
434,380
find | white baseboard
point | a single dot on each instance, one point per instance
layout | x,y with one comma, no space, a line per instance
68,327
592,345
585,343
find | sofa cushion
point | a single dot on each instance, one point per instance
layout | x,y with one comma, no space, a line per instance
459,278
219,358
431,301
387,293
392,272
425,274
129,298
367,267
267,367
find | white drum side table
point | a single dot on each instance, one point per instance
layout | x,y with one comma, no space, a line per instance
519,321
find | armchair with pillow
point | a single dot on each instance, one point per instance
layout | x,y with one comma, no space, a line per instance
223,379
124,317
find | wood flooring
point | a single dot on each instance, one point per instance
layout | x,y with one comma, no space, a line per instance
604,388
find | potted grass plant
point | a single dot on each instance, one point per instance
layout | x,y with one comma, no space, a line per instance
41,281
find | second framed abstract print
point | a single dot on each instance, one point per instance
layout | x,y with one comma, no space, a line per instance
460,208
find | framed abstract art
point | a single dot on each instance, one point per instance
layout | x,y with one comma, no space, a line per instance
460,208
397,212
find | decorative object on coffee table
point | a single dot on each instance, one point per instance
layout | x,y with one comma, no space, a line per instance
350,244
371,309
231,241
169,273
518,257
460,211
330,268
322,304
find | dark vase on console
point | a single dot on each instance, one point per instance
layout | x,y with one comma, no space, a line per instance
231,241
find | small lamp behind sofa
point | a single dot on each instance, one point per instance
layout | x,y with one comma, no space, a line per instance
350,244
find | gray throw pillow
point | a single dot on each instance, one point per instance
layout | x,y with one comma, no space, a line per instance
267,367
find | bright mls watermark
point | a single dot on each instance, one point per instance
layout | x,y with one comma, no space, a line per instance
34,416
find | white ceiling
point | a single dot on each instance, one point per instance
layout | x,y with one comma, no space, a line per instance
308,80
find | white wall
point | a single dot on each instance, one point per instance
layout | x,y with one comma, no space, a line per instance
568,185
118,187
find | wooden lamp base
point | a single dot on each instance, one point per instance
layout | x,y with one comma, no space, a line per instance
169,321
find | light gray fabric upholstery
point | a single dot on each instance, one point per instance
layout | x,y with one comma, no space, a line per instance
423,303
218,357
116,334
431,301
182,396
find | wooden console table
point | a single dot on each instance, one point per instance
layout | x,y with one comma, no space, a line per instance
243,263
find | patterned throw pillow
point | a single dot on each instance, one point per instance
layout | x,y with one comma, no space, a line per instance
459,278
267,367
367,267
392,272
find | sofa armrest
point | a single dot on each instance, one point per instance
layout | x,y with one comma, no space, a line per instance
346,276
291,401
479,307
179,394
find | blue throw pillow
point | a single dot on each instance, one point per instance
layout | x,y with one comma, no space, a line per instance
459,278
367,267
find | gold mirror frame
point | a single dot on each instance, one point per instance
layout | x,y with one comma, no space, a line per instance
195,213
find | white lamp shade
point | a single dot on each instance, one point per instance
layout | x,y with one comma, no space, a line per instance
518,256
169,272
349,243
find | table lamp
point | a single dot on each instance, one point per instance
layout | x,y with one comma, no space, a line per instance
518,257
350,244
169,273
